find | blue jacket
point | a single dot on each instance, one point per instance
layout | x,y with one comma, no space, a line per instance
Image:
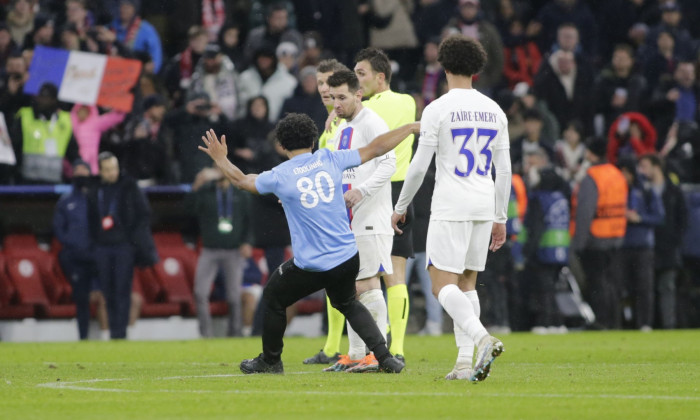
70,221
147,39
650,208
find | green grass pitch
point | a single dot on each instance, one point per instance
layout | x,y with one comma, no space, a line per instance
593,375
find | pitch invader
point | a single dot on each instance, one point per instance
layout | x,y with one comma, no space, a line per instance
468,133
367,194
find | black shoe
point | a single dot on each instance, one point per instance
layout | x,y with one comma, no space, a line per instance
258,365
401,358
320,358
391,365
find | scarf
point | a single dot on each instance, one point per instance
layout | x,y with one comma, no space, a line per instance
186,64
213,17
131,33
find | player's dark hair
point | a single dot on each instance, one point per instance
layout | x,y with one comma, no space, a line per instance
461,55
344,77
331,65
296,131
378,60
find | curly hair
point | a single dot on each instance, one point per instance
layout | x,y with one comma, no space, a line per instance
330,65
344,77
461,55
296,131
378,60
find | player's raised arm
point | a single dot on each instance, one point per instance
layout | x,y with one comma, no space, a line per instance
218,152
387,141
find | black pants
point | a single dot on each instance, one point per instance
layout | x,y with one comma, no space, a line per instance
542,279
115,265
80,269
636,272
602,286
290,283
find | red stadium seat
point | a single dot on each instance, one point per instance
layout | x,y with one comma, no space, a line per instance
146,284
9,306
170,273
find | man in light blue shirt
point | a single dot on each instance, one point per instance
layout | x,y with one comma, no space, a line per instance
325,254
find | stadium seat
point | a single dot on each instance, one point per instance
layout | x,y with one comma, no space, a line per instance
171,245
9,306
146,284
169,272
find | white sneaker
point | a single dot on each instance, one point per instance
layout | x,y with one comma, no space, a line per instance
459,374
489,349
431,328
557,330
646,329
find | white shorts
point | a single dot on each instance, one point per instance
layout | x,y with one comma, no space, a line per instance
458,246
375,255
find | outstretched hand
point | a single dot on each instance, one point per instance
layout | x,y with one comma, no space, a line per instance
216,149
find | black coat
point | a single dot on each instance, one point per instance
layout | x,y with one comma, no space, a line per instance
669,236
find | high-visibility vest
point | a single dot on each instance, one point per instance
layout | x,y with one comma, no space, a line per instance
610,219
44,144
517,205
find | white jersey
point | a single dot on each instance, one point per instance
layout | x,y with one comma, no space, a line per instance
466,128
372,215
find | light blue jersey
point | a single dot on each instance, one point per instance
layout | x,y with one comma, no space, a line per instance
310,189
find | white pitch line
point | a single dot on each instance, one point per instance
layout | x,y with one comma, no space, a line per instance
74,386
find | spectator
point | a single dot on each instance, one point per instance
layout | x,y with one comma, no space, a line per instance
306,99
431,17
12,96
470,23
77,259
185,126
619,89
645,212
222,212
630,136
615,19
676,101
288,55
231,47
88,127
41,35
146,151
565,90
546,249
671,22
313,51
70,39
250,137
268,78
430,75
7,48
661,62
216,77
79,17
570,153
669,236
531,141
522,58
119,220
20,20
557,12
42,138
179,70
598,224
395,35
524,99
135,33
275,31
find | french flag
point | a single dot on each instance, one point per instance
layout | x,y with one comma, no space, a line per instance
85,78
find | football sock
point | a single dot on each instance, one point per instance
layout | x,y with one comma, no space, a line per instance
461,310
397,304
336,320
375,304
464,342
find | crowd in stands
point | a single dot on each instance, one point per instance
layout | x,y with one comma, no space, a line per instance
623,72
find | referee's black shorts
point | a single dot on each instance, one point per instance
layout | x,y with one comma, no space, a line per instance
403,244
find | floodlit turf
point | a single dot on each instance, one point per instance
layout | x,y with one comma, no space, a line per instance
599,375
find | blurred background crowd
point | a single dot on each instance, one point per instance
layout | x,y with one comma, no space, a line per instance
622,72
